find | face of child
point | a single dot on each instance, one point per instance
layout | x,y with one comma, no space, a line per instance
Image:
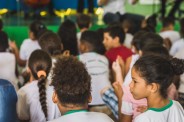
108,41
138,87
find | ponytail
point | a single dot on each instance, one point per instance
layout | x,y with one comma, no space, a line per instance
177,65
42,91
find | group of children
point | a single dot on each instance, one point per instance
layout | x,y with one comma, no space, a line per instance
87,76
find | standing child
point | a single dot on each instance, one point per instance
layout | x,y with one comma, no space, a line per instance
35,98
154,88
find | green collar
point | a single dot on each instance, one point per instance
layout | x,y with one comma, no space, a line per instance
74,111
163,108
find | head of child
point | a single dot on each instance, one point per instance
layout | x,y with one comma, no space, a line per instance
51,43
67,33
72,84
83,22
153,74
35,29
39,66
114,36
168,24
89,42
3,42
142,39
182,27
1,24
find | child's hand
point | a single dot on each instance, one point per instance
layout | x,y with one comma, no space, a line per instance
116,66
118,89
13,45
141,109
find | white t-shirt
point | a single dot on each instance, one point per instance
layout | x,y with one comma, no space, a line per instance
29,107
128,77
172,35
27,47
98,68
7,67
84,117
114,6
177,46
173,112
180,55
128,40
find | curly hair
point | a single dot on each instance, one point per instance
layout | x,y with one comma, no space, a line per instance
38,61
71,81
160,70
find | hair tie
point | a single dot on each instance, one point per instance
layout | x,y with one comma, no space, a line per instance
40,73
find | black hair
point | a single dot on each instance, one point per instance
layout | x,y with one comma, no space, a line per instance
83,21
160,70
71,81
155,49
101,47
150,38
167,21
40,60
37,27
51,43
3,41
137,39
116,31
1,24
67,33
93,39
151,23
182,27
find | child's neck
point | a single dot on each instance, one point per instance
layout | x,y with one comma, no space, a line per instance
157,101
84,29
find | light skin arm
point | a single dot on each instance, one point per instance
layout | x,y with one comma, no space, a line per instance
13,45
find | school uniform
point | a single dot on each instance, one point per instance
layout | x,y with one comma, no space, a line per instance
171,34
172,112
83,116
176,47
29,106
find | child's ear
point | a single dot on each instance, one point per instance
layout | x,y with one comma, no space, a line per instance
54,97
90,99
140,52
116,39
154,87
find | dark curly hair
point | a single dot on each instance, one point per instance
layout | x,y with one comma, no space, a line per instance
71,81
40,60
160,70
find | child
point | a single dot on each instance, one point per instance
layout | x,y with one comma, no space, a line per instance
35,98
7,61
113,41
72,93
154,88
97,66
30,44
51,43
67,32
168,30
83,23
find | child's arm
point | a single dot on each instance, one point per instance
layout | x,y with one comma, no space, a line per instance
15,49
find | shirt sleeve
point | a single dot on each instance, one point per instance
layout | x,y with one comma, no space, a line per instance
22,52
127,106
22,106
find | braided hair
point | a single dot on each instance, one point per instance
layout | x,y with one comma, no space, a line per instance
40,64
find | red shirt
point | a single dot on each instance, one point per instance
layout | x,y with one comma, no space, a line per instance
122,51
